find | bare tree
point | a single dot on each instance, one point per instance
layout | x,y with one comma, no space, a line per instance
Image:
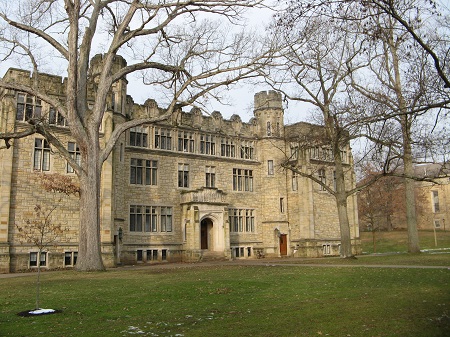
318,58
406,13
376,203
406,76
400,79
42,233
187,56
431,32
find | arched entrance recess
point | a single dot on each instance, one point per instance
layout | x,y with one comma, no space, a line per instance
205,214
206,234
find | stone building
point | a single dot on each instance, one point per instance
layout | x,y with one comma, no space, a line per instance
382,205
191,188
434,197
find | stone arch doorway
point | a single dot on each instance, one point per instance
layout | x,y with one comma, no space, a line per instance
206,232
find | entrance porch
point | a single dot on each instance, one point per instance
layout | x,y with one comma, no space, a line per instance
206,230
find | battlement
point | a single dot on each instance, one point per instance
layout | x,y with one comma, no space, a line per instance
97,63
24,76
268,100
53,84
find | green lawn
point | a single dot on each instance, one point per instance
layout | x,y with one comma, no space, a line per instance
269,299
266,300
397,241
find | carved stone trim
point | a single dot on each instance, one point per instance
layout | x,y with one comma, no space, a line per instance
204,195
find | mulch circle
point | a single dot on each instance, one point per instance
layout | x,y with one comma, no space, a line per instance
29,314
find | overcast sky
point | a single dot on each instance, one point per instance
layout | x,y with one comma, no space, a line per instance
240,95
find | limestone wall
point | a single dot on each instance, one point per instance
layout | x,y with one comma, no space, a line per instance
305,215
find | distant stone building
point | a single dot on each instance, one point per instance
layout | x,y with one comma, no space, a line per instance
192,188
382,205
433,199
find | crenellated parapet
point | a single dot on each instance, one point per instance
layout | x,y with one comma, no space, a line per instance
51,84
196,120
268,120
96,64
268,100
268,111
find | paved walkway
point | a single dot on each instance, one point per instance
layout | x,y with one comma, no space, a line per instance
273,262
270,262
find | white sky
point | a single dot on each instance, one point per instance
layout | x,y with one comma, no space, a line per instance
240,96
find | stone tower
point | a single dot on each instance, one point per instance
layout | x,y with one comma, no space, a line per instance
118,98
268,111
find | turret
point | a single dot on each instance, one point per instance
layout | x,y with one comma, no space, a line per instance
268,110
117,99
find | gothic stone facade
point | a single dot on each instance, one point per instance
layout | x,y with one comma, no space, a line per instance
192,188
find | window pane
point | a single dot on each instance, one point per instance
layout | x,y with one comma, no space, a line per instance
20,112
132,138
154,176
147,222
37,159
154,220
169,219
52,116
133,175
144,140
147,176
37,112
163,222
132,219
33,259
138,222
67,258
43,259
138,175
270,167
46,161
28,112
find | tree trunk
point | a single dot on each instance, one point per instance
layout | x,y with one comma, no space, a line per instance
388,222
38,281
341,197
405,122
374,241
411,220
89,251
346,243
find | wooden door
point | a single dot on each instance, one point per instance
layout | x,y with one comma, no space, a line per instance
283,244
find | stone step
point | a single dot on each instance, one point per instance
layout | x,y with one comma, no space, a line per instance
213,256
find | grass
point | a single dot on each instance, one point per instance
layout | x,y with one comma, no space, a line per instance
397,241
232,300
400,259
269,299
